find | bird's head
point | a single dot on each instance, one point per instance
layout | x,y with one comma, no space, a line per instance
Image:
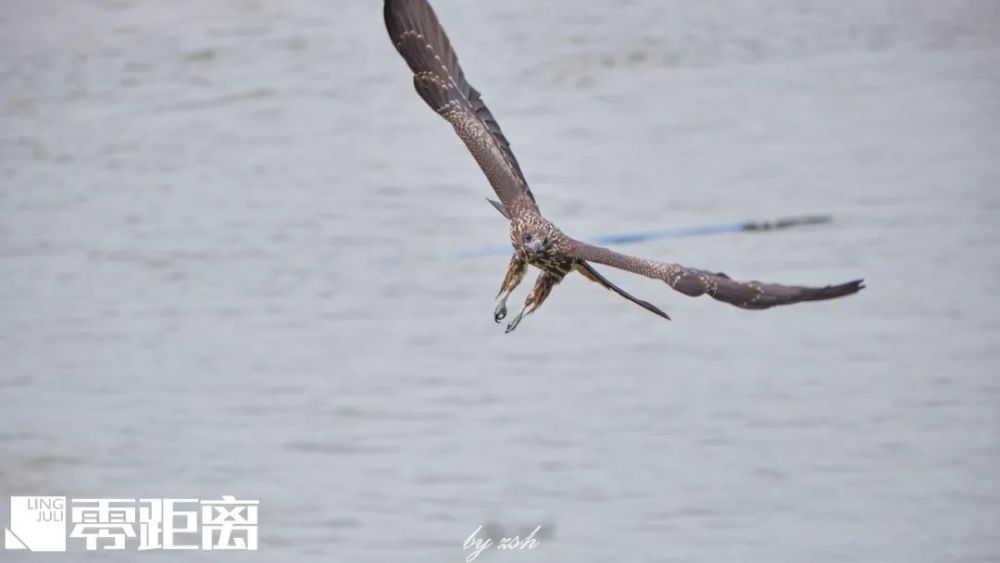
535,242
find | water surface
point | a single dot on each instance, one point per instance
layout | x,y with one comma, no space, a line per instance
197,200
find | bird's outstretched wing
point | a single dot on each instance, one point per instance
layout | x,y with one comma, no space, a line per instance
438,78
694,282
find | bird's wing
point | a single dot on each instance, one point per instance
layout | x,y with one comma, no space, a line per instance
438,78
593,275
694,282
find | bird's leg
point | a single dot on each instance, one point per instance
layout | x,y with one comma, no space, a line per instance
515,273
543,286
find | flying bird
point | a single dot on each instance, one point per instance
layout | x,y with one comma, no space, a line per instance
418,36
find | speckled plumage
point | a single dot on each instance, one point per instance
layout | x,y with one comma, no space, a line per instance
440,81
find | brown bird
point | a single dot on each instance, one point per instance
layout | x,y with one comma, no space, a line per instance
438,78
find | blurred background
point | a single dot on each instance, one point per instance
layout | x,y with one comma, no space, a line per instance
206,210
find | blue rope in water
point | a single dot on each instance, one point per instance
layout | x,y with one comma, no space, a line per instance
643,236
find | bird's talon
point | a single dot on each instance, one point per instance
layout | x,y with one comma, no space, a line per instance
499,314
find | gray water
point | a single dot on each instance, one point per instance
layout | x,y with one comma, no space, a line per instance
201,203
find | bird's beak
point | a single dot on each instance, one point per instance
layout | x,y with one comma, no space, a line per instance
536,245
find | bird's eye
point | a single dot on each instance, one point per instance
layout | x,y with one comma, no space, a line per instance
527,237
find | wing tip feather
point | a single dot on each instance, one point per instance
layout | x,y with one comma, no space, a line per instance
849,288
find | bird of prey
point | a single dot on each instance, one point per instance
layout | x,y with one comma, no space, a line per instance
418,36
